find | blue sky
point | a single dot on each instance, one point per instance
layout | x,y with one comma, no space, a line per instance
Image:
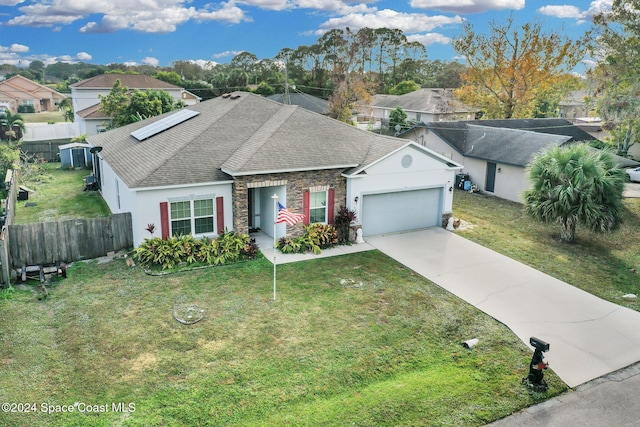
158,32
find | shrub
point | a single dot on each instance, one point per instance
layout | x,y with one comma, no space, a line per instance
26,109
342,223
167,254
315,238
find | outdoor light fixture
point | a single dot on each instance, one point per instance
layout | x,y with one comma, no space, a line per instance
535,379
356,199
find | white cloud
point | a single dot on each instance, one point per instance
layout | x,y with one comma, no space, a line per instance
149,16
561,11
467,6
149,60
18,48
226,53
10,2
84,56
428,39
204,64
569,11
228,12
407,22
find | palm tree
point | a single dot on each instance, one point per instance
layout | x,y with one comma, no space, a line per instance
575,185
10,123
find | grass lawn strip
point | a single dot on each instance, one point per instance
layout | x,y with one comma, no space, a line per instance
383,350
605,265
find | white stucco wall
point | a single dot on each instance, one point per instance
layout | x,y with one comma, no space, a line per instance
144,204
389,175
510,180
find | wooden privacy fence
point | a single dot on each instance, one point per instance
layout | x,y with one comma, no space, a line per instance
68,241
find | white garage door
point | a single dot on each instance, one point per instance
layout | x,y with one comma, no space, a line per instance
400,211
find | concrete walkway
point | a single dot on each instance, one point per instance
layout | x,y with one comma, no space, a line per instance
589,337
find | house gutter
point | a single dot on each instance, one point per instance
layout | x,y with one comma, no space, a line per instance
274,171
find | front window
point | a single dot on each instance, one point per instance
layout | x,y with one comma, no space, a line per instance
318,207
192,217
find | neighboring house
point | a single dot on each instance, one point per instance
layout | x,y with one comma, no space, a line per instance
217,164
574,105
495,153
20,91
421,106
85,96
304,100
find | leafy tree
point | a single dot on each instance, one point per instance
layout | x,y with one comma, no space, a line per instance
12,125
169,77
404,87
114,104
265,89
509,67
124,109
615,41
397,117
575,185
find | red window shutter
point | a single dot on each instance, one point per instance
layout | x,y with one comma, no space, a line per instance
164,220
306,202
220,214
330,204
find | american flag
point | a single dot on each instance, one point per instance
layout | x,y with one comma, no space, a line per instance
284,215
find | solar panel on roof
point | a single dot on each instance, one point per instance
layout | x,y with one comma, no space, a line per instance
163,124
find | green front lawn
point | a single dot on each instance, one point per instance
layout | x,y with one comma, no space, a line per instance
605,265
352,340
59,195
44,117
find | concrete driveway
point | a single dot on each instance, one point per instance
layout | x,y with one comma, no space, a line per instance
632,190
589,337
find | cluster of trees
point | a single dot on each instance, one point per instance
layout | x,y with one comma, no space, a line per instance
124,108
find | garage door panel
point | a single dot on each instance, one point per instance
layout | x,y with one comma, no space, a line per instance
400,211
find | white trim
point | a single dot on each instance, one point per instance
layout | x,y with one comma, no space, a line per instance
169,187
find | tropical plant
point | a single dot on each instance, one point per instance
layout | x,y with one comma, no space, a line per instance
315,238
12,125
168,253
575,185
342,222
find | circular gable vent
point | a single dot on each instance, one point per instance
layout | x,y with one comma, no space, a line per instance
406,161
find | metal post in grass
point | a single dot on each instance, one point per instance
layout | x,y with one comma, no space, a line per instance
275,222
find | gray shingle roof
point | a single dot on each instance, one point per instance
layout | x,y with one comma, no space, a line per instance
132,81
423,100
511,141
304,100
246,135
508,146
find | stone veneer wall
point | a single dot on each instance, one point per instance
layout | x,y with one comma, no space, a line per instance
296,183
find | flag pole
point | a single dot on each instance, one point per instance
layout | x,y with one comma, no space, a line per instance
275,219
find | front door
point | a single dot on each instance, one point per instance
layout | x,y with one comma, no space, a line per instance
491,177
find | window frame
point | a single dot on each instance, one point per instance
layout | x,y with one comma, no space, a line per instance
192,218
323,205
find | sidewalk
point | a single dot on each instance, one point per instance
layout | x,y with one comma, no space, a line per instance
607,401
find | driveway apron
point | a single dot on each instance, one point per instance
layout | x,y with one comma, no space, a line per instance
588,336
